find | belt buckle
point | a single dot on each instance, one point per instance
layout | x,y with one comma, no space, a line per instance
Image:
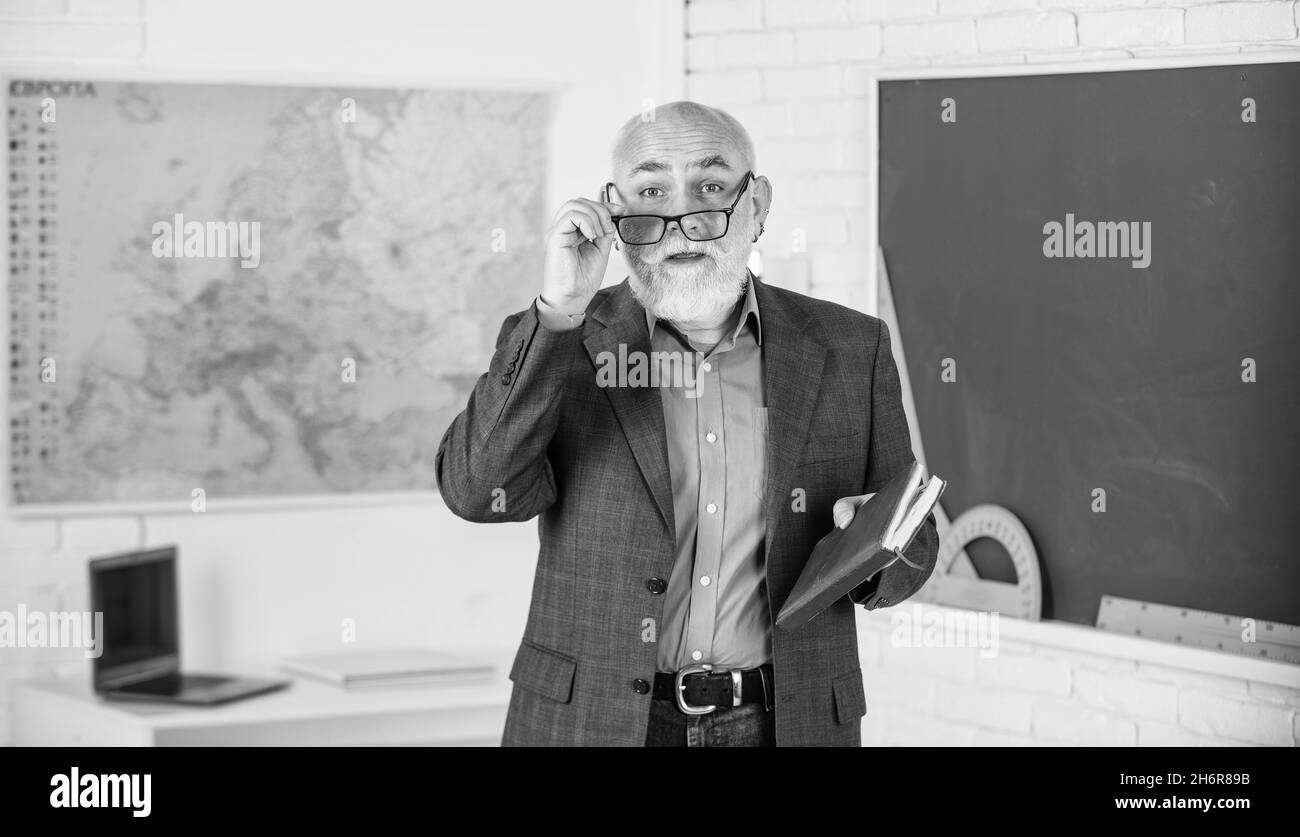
679,689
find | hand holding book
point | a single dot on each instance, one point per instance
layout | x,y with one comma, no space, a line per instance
872,532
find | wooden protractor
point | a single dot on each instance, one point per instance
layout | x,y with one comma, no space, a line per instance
1023,600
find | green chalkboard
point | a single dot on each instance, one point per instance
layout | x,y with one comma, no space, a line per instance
1077,370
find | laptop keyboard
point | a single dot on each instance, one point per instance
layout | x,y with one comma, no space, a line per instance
202,681
175,684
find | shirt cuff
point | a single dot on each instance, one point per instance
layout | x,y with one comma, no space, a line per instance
557,319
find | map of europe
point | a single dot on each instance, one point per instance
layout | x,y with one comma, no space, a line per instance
397,228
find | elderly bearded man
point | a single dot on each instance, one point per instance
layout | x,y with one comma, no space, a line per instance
674,520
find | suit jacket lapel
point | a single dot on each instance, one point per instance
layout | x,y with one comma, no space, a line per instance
792,366
621,321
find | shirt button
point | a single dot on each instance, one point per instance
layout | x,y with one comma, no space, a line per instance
656,585
711,436
707,367
697,655
711,508
704,580
640,686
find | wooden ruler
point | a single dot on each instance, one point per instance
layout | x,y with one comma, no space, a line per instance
1200,628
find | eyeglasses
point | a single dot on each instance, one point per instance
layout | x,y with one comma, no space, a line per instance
703,225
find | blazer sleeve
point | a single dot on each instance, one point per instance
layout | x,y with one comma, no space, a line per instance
889,454
491,465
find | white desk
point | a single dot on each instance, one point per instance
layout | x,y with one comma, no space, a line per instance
306,713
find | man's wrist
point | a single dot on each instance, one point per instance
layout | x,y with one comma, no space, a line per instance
567,305
563,316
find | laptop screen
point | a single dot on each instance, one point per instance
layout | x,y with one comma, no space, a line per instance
136,592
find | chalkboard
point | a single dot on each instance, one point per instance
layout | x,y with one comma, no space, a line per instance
1076,371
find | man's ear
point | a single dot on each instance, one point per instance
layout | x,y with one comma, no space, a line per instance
761,202
762,198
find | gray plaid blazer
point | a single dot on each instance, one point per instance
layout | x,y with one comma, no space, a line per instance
539,438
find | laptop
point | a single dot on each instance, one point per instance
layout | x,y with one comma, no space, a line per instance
141,658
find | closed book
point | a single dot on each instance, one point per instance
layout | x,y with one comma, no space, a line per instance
881,530
387,667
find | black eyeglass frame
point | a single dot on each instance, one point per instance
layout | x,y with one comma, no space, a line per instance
677,219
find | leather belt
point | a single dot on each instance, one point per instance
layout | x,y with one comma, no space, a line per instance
702,688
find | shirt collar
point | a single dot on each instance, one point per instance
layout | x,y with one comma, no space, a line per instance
750,308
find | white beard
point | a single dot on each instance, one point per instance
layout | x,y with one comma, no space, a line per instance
692,295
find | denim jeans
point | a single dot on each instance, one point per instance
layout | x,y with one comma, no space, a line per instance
750,725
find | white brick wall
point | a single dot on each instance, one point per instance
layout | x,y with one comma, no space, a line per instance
1131,27
63,29
833,46
882,10
1042,692
931,38
1124,694
100,39
1023,672
995,709
1253,21
1040,30
1066,722
724,16
804,12
1219,716
33,8
755,49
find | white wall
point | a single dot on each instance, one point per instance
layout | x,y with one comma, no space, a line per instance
257,584
1055,683
797,73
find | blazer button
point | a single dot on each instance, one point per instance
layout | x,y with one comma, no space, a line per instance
640,686
656,586
505,380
